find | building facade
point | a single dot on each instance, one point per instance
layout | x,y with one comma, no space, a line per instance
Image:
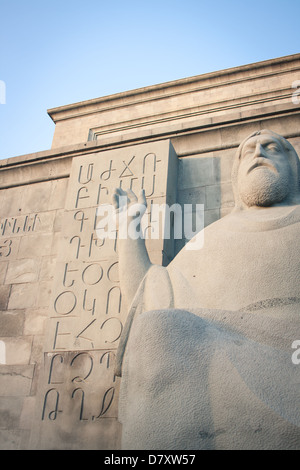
61,307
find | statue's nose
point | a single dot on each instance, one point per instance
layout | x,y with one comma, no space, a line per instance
259,151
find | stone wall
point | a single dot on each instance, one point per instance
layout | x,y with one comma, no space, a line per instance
61,310
31,218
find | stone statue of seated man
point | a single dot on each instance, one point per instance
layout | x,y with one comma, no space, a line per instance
206,354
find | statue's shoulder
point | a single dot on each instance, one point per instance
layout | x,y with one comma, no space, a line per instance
264,219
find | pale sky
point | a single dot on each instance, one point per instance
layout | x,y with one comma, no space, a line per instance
57,52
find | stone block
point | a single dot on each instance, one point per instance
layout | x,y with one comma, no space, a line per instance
3,269
45,221
10,410
21,271
37,350
191,196
47,270
12,322
227,197
44,294
23,296
36,198
58,193
219,195
100,435
236,133
58,222
36,377
11,199
34,321
10,440
15,380
224,161
35,246
24,439
195,171
56,243
26,224
200,141
4,296
212,197
17,349
27,414
9,248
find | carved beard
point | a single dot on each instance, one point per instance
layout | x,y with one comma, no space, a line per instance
263,187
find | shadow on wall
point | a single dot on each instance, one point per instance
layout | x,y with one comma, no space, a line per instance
200,182
204,195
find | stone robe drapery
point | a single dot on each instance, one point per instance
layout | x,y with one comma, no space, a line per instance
206,354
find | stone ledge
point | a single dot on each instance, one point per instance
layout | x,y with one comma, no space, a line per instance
63,155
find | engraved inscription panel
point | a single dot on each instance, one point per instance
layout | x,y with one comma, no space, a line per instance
88,314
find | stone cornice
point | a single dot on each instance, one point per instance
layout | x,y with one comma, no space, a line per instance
172,131
171,89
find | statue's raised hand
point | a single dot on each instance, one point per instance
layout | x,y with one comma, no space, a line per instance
129,207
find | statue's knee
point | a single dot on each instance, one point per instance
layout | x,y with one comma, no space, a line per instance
159,325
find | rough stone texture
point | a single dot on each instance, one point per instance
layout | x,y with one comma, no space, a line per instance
205,118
